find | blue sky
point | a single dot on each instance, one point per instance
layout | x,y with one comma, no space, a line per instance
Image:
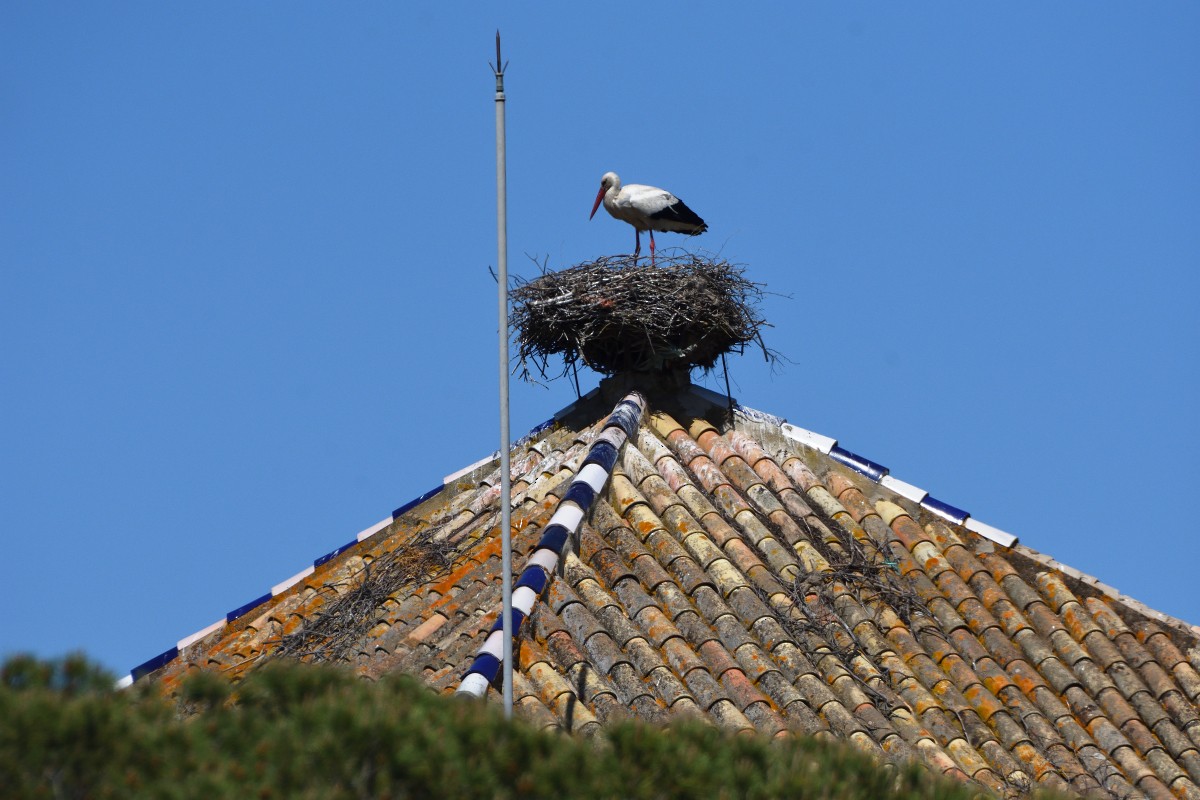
246,307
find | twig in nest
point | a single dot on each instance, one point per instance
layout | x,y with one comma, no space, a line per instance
616,316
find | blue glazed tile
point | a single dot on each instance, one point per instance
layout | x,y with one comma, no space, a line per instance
242,609
602,453
625,416
580,494
411,504
487,665
518,617
160,660
535,578
952,513
536,429
332,554
857,463
553,538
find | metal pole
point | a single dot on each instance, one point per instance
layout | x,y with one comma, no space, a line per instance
505,478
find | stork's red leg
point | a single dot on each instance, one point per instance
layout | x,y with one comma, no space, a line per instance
652,247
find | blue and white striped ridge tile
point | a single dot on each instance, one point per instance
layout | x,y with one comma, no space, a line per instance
367,533
905,490
858,463
589,480
279,588
944,510
540,428
246,608
416,501
334,553
188,641
284,585
167,656
159,661
1002,538
467,470
817,441
881,475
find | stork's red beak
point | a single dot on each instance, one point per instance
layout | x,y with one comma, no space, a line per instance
595,205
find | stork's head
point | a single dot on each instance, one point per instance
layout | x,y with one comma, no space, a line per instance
607,183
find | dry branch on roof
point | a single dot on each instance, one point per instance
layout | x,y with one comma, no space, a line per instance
613,315
331,634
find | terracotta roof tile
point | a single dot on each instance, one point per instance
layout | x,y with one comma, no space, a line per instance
796,710
531,707
565,651
1165,652
595,690
741,474
670,688
660,544
646,480
773,476
607,562
695,540
1184,716
695,630
799,472
734,574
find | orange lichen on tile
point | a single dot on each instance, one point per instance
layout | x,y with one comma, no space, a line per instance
643,521
766,467
1167,654
696,541
692,455
740,474
714,580
622,493
681,522
1158,682
969,570
546,681
653,487
529,705
990,594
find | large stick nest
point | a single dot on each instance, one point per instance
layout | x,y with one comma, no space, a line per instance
614,315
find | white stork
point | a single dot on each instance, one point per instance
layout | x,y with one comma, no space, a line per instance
646,208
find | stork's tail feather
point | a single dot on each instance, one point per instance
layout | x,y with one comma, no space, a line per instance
678,218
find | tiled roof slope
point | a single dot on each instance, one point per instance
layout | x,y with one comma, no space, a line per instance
730,573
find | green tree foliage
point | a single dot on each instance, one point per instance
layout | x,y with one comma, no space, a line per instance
297,731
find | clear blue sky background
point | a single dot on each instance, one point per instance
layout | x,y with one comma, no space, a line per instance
246,311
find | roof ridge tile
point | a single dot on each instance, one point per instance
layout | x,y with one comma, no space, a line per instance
750,578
